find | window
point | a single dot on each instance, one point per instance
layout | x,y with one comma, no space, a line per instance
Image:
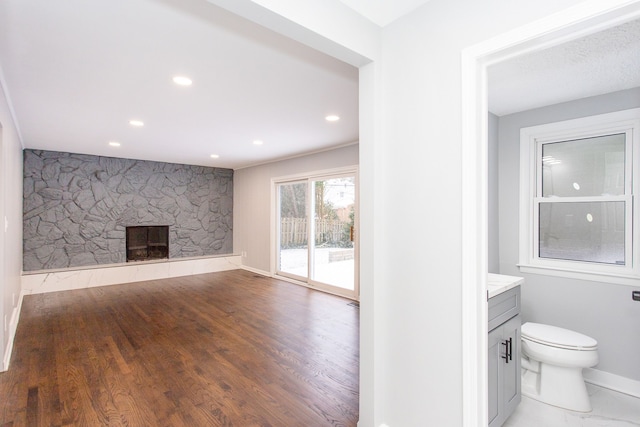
579,190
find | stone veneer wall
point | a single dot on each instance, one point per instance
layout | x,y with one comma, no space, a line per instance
76,208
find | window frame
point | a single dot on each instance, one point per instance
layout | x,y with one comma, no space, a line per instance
532,139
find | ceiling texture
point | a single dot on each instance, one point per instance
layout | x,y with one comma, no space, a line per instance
600,63
76,72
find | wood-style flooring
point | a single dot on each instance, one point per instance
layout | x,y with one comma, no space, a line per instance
220,349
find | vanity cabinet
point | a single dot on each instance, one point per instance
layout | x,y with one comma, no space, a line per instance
504,355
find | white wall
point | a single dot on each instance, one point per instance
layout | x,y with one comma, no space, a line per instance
419,235
11,240
493,225
252,208
410,154
601,310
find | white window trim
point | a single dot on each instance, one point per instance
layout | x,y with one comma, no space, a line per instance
530,140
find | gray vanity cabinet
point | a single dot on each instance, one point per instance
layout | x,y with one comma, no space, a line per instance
504,355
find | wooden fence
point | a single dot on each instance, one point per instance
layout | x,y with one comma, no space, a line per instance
293,231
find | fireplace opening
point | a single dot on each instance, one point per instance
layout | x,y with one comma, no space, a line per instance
147,242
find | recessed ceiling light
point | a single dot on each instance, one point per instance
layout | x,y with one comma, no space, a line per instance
214,156
136,123
332,118
257,142
182,81
114,143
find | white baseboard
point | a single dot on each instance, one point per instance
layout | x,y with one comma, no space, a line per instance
257,271
69,279
612,382
13,326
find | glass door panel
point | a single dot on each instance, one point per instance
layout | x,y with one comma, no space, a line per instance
315,232
333,253
293,246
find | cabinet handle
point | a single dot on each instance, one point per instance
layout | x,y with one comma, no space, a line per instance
508,353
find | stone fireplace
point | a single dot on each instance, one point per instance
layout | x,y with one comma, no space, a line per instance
147,243
77,209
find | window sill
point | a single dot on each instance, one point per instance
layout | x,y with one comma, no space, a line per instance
593,276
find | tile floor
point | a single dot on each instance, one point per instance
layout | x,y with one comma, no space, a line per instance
610,409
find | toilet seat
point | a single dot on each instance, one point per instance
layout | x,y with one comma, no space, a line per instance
557,337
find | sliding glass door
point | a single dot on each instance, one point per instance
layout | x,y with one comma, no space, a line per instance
334,215
293,244
316,220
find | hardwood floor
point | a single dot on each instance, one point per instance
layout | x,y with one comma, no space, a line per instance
219,349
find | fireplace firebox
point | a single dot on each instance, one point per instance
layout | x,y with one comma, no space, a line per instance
147,242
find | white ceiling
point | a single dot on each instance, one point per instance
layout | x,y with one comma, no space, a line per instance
77,71
600,63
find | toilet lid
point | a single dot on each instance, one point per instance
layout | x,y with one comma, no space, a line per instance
557,337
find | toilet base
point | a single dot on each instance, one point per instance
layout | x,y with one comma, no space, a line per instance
558,386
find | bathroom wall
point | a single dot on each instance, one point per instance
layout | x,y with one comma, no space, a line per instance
76,208
602,310
493,255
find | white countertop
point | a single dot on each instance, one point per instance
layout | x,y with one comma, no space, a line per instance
498,283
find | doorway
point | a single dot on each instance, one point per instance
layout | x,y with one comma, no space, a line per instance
316,239
476,59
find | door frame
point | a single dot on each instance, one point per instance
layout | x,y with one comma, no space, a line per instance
4,336
574,22
275,227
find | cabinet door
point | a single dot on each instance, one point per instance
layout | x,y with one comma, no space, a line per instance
511,371
494,377
503,372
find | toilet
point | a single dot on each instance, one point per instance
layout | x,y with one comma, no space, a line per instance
552,363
